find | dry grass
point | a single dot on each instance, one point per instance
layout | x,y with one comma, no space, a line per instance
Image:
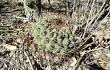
92,38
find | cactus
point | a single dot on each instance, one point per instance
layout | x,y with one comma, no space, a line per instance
65,42
50,40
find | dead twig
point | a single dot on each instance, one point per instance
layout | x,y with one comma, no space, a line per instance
83,57
90,17
108,9
14,10
29,60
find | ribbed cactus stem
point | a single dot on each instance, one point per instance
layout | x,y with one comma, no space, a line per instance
44,33
65,42
52,40
48,47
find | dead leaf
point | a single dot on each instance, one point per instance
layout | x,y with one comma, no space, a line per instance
58,23
10,47
107,37
100,35
27,40
18,40
102,60
74,61
12,35
32,45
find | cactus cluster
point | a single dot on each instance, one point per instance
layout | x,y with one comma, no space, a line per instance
51,40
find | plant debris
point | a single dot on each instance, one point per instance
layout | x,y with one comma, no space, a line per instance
54,35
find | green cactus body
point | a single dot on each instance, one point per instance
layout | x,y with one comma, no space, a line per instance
65,42
57,48
28,2
67,35
55,35
48,47
49,40
51,34
38,38
43,33
59,40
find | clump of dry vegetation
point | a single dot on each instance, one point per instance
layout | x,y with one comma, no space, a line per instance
55,34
